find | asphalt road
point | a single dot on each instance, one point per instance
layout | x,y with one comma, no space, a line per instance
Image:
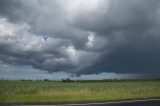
147,102
151,102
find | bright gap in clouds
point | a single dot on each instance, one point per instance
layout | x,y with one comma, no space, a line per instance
91,39
87,7
73,54
82,5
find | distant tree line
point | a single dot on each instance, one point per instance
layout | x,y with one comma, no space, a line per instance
108,80
104,80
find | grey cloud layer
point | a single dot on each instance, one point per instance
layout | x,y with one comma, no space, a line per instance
83,36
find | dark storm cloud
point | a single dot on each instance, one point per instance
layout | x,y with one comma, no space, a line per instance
83,37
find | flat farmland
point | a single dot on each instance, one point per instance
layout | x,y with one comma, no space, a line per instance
67,92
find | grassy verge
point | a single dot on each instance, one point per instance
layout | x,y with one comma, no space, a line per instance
60,92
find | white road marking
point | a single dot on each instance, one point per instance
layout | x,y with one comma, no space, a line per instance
120,102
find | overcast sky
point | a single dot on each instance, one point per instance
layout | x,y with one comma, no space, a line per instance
79,38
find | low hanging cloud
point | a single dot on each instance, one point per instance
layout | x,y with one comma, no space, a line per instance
21,47
81,36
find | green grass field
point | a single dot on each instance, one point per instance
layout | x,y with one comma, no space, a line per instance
60,92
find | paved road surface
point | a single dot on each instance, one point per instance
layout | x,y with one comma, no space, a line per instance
151,102
148,102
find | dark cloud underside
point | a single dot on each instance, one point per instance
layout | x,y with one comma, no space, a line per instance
81,36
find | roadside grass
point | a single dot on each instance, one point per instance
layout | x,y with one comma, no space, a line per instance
60,92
